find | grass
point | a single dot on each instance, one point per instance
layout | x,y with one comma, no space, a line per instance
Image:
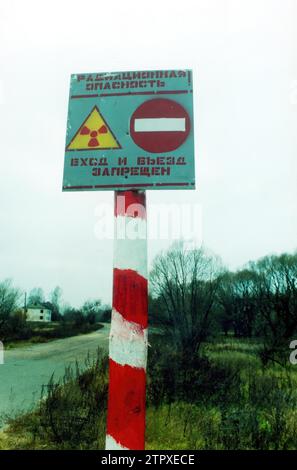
246,346
254,409
225,400
181,426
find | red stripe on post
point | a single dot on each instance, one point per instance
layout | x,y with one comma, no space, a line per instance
130,297
126,405
125,199
126,397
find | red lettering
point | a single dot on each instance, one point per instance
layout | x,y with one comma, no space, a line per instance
122,161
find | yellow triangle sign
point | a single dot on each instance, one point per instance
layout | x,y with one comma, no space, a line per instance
94,134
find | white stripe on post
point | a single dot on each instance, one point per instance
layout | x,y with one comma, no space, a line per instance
131,245
111,444
127,342
128,333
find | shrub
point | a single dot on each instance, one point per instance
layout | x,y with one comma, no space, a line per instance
73,413
196,379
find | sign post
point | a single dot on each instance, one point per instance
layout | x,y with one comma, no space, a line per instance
128,334
129,132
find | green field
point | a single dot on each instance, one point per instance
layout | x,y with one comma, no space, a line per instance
257,411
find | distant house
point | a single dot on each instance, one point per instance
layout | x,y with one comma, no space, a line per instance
37,312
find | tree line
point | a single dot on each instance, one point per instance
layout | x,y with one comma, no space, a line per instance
13,321
194,298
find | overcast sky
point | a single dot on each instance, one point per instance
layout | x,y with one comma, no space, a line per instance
244,59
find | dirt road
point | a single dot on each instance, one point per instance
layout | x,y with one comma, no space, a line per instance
26,369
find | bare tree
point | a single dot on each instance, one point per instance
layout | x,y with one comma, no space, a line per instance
56,297
185,282
276,292
92,310
36,296
9,301
55,303
237,298
225,301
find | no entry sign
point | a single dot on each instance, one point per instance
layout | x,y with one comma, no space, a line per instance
160,125
130,130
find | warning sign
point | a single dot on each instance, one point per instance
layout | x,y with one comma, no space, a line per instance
130,130
94,134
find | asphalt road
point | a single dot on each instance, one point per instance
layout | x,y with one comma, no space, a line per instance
26,369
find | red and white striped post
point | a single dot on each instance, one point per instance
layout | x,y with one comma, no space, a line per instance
128,334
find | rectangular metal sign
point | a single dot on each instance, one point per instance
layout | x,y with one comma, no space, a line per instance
130,130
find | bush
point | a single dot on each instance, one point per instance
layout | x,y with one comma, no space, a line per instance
202,403
173,376
74,411
16,327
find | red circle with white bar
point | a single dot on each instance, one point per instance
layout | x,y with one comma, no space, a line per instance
159,125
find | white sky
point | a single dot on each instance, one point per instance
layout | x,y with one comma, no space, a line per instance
243,54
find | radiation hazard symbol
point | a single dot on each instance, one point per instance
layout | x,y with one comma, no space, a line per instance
94,134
